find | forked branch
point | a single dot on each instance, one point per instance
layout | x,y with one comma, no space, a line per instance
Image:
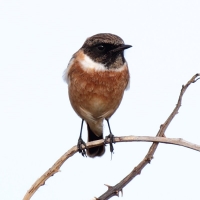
114,191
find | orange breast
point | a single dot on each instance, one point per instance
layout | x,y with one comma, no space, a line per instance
97,92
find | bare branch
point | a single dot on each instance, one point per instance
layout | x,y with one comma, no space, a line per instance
174,141
178,105
56,167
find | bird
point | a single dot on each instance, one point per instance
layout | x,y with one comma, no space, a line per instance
97,76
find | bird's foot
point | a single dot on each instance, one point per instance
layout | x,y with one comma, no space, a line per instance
111,137
79,146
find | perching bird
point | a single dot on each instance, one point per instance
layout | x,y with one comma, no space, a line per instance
97,76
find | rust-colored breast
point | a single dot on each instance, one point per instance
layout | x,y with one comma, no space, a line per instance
97,92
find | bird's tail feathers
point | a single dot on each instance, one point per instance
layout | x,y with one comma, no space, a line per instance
94,151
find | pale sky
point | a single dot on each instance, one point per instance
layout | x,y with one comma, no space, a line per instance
38,124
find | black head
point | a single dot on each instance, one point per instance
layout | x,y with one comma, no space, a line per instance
107,49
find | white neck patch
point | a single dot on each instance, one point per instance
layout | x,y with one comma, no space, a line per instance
88,64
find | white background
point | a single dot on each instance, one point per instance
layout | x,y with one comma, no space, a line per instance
38,125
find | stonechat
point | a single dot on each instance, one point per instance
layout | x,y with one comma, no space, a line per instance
97,76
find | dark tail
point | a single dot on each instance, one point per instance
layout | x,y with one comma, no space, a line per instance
94,151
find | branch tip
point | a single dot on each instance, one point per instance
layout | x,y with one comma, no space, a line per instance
196,80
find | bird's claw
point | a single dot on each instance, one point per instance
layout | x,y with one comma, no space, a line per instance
111,137
79,146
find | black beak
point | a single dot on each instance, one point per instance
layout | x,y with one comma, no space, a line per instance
122,47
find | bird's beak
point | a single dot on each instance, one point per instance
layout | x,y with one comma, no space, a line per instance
122,47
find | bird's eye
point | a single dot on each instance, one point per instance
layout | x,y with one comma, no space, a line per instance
101,47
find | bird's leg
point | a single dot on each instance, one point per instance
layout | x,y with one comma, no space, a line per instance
80,142
111,136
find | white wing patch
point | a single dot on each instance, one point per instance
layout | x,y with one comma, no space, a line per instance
128,85
65,74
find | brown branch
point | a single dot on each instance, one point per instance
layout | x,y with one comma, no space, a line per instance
174,141
115,190
56,167
50,172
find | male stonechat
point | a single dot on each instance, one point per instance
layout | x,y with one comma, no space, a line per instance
97,76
